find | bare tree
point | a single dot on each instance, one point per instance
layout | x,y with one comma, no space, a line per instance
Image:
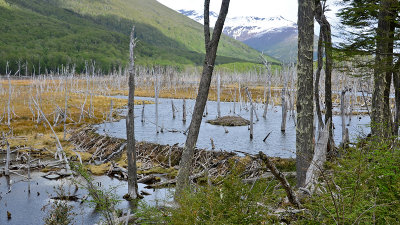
305,115
130,127
325,31
211,46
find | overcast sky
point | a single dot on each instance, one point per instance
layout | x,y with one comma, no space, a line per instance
260,8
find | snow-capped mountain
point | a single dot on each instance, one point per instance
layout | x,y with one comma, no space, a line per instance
244,27
275,36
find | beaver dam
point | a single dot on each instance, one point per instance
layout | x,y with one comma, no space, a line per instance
108,158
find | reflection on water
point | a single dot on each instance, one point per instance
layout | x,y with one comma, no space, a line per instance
31,208
278,144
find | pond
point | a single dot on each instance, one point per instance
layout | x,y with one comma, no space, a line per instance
278,144
28,208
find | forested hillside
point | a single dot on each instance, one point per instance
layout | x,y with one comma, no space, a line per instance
72,32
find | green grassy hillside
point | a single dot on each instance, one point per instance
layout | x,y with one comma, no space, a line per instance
63,31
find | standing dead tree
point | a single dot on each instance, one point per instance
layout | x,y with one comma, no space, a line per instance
284,104
9,96
317,79
211,46
219,95
319,159
268,95
251,102
130,126
327,37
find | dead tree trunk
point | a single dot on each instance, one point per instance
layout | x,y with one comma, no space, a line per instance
251,123
317,78
319,158
219,95
7,166
211,46
143,105
173,109
9,98
326,31
184,111
130,120
267,66
284,105
66,105
305,115
396,82
343,117
156,99
251,102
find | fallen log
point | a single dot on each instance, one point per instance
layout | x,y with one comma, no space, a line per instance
173,181
268,175
281,178
150,179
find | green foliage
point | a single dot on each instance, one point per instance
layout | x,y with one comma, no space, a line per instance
360,18
104,200
71,32
147,214
233,202
60,212
364,186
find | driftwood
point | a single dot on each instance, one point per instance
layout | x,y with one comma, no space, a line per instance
281,177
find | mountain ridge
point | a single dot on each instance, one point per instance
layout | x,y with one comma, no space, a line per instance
275,36
64,32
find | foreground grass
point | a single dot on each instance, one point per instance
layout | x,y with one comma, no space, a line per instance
360,187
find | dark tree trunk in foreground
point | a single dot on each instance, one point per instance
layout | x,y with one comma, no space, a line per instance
211,45
130,127
304,105
380,121
327,37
